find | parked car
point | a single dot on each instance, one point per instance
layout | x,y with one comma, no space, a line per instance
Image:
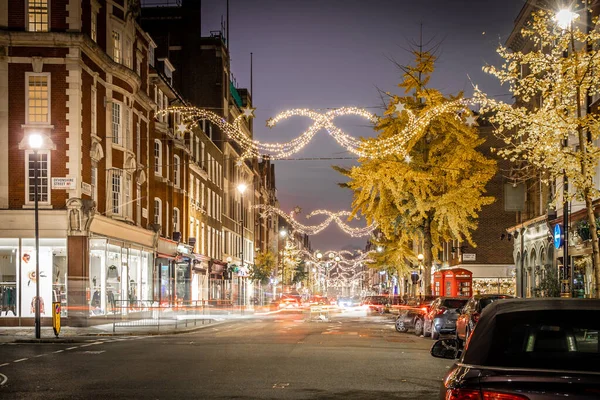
470,313
441,318
412,315
375,304
527,349
394,304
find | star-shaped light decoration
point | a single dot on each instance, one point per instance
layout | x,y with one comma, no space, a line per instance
270,122
400,107
248,111
297,210
239,162
471,120
407,158
181,128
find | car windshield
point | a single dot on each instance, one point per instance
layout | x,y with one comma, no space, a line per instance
554,339
454,303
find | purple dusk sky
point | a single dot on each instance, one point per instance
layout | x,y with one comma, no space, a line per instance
323,54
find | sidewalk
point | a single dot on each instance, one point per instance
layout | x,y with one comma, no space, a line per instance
21,334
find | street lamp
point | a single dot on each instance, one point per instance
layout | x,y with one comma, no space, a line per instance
35,143
242,188
564,18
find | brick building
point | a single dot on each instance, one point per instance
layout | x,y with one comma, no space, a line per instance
130,201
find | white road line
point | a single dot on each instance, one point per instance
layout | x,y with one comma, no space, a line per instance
91,344
40,355
3,380
21,359
58,351
71,348
4,365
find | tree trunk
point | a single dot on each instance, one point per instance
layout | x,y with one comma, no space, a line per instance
428,256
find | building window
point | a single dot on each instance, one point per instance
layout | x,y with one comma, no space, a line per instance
157,211
176,220
38,99
176,179
94,26
127,140
157,157
127,53
116,188
43,166
117,47
151,55
116,123
94,184
37,15
127,201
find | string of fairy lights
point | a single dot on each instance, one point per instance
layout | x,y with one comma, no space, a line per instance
338,268
191,118
335,217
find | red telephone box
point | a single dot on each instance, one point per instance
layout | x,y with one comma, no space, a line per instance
453,282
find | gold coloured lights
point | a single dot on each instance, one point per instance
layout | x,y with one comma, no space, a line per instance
335,217
371,148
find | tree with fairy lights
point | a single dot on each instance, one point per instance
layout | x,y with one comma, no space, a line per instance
549,127
289,262
433,192
264,265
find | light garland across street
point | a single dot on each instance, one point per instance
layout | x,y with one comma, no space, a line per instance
370,148
315,229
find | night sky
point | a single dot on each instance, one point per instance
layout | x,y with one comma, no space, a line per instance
322,54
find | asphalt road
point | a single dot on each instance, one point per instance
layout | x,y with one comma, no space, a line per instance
284,356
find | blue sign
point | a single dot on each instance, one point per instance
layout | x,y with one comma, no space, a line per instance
558,237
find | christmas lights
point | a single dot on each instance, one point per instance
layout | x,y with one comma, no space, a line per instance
315,229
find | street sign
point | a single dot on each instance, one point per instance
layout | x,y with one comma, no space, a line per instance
558,236
64,183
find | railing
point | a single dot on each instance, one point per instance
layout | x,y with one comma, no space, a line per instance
147,313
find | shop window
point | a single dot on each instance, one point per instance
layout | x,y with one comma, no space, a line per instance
38,98
43,168
9,262
37,16
52,276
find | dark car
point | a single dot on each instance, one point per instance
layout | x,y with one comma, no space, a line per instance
521,349
375,304
441,318
412,314
470,313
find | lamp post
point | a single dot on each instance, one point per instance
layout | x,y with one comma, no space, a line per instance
420,257
35,143
242,188
564,19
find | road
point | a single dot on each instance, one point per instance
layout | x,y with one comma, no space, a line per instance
281,356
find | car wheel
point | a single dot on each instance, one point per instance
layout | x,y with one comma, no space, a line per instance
418,327
435,335
400,326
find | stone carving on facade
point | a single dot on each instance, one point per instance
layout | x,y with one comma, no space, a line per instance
80,213
96,151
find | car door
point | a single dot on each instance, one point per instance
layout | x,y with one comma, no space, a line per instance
429,316
461,321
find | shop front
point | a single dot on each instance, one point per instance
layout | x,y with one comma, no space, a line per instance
219,284
18,278
200,278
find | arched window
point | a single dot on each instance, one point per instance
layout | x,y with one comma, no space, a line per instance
157,157
176,173
158,211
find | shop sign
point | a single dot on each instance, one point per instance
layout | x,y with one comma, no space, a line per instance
64,183
86,188
463,276
468,257
145,213
182,249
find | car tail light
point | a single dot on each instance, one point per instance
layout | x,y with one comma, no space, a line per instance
475,316
470,394
440,311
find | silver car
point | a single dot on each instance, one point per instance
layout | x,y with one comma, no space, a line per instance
442,315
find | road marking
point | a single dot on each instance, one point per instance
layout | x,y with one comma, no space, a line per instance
4,365
21,359
58,351
280,385
71,348
91,344
92,352
3,380
40,355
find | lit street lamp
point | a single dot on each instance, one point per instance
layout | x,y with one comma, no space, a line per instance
35,143
242,188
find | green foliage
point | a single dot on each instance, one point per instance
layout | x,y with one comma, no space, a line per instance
549,285
300,273
264,265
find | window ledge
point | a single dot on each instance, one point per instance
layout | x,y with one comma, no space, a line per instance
40,206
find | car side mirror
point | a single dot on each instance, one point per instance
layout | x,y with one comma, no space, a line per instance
446,348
